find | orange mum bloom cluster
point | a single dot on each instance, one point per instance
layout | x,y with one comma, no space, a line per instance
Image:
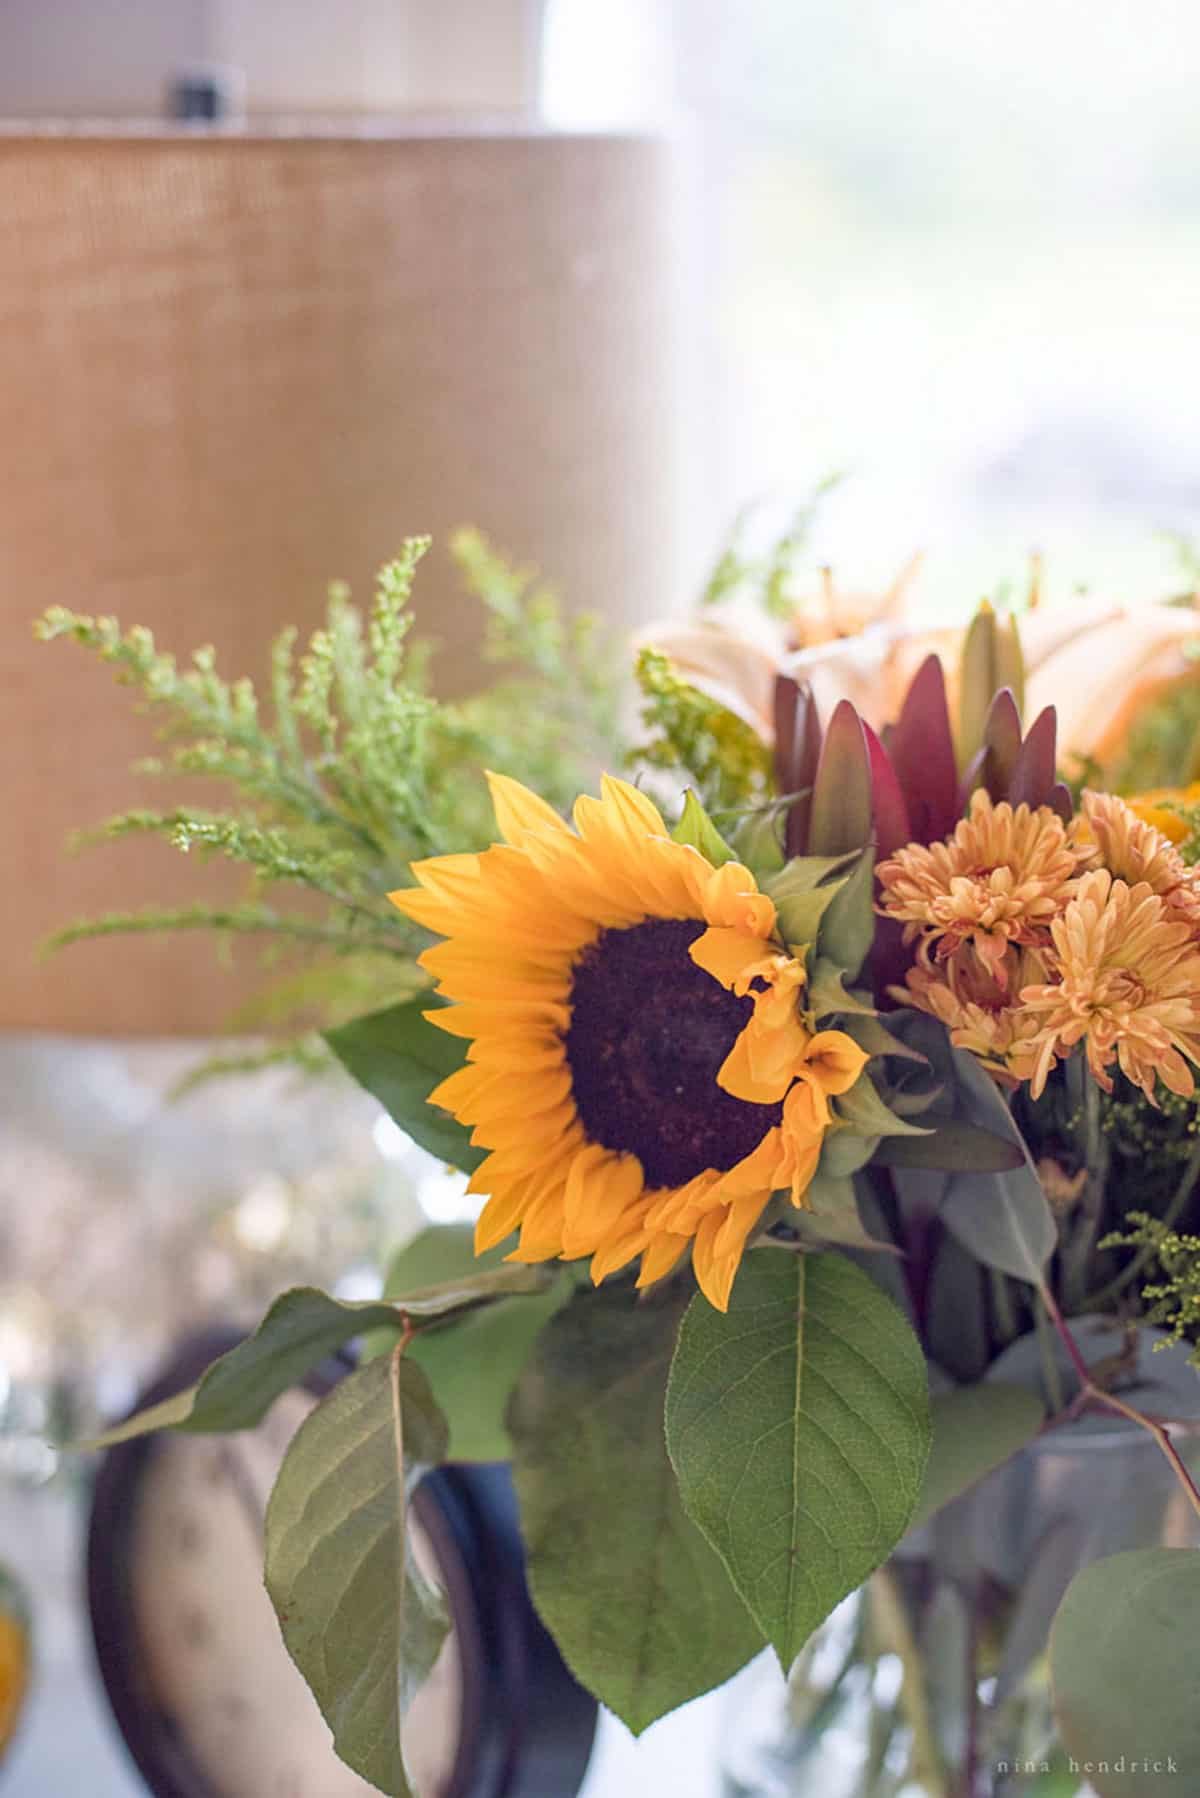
641,1067
1033,936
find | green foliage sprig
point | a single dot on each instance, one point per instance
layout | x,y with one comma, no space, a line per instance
1172,1301
699,740
348,769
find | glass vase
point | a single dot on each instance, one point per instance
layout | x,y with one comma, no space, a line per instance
933,1680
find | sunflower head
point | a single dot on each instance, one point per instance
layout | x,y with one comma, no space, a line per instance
641,1067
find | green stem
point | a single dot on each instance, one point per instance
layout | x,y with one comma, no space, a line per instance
927,1760
1050,1373
1006,1320
1077,1254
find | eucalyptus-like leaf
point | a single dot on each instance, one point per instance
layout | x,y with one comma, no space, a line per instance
300,1330
955,1146
696,828
641,1607
400,1057
798,1423
1123,1664
1003,1219
359,1617
975,1429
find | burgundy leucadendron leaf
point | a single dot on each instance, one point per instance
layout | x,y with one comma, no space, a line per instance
841,805
921,747
892,827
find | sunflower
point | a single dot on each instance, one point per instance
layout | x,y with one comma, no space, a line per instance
641,1068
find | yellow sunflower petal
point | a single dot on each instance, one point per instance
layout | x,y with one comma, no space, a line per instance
499,1218
727,954
622,1247
633,805
834,1060
732,899
659,1257
601,1193
714,1272
748,1074
518,810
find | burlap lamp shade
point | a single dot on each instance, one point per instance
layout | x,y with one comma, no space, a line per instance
234,367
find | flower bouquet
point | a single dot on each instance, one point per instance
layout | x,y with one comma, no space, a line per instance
829,1099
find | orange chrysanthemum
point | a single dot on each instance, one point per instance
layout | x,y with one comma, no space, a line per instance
998,882
640,1068
982,1014
1126,983
1138,852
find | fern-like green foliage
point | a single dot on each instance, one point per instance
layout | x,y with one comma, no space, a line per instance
1172,1300
348,769
698,740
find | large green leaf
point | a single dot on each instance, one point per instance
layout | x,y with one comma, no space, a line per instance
359,1617
975,1429
1123,1661
473,1361
798,1423
639,1604
399,1056
297,1333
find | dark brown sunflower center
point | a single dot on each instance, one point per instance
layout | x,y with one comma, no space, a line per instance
649,1031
